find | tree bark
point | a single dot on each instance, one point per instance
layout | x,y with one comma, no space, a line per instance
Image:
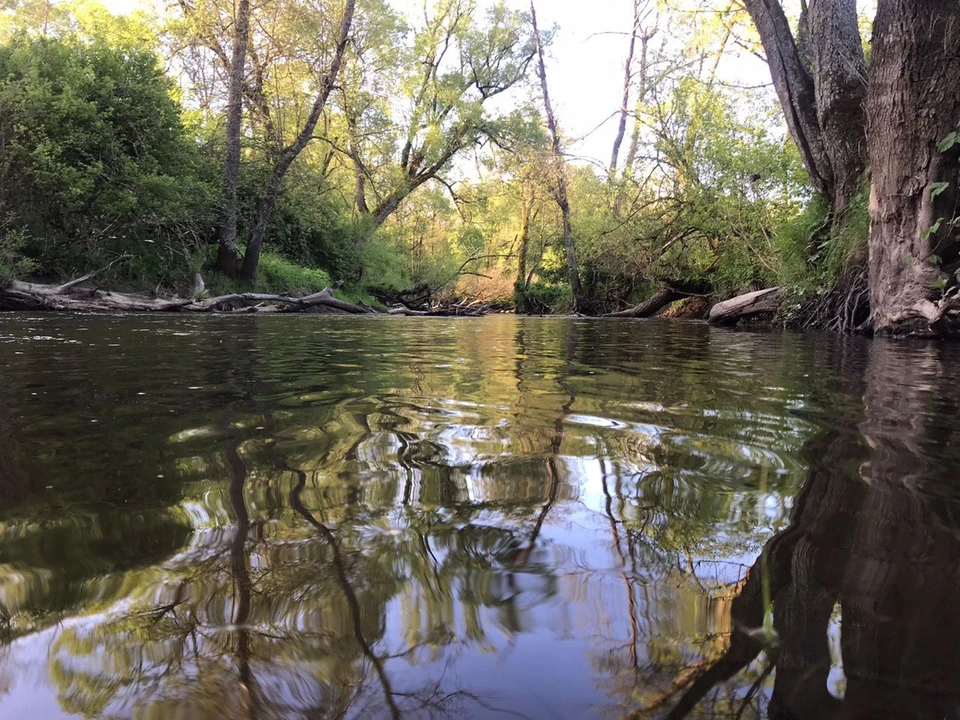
70,298
795,89
251,259
760,302
651,306
913,103
560,173
526,210
227,250
625,103
840,82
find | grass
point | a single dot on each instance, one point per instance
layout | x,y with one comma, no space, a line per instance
277,276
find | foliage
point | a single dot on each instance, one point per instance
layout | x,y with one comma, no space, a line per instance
94,157
813,256
277,275
13,263
109,158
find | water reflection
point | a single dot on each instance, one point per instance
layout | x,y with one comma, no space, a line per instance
315,518
869,556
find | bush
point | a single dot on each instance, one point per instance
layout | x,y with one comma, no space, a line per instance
541,298
12,262
95,159
814,257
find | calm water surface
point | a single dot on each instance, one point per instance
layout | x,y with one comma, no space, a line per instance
306,517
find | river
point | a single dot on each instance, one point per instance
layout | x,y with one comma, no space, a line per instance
313,517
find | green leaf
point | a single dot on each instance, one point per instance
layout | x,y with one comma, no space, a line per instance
948,142
940,284
938,189
935,260
932,230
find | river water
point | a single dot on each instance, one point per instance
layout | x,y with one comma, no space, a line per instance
311,517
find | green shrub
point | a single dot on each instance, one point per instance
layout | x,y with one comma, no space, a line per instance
541,297
96,160
13,264
813,257
277,276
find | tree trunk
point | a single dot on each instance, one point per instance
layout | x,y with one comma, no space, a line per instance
560,174
840,82
759,302
638,107
526,210
625,103
251,259
913,103
227,251
651,306
71,298
795,89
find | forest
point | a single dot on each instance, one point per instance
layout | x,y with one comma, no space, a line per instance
412,155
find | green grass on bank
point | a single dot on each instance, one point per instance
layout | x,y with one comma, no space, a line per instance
277,275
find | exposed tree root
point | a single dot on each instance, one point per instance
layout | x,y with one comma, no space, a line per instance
845,308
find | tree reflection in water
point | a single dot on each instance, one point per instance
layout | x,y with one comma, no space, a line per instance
874,554
501,518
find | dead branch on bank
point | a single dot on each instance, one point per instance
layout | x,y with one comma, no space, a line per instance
760,302
451,308
71,297
669,294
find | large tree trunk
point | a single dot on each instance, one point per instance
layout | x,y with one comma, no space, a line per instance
560,173
227,252
914,102
821,95
795,89
840,82
251,259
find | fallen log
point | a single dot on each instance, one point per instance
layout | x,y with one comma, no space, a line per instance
72,298
760,302
650,307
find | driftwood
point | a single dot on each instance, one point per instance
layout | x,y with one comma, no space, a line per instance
729,312
669,294
418,298
452,308
70,297
651,306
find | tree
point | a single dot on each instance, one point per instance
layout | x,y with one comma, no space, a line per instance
94,159
913,105
227,252
453,67
644,33
559,172
823,93
251,259
912,102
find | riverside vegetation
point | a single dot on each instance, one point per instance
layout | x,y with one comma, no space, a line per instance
273,148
